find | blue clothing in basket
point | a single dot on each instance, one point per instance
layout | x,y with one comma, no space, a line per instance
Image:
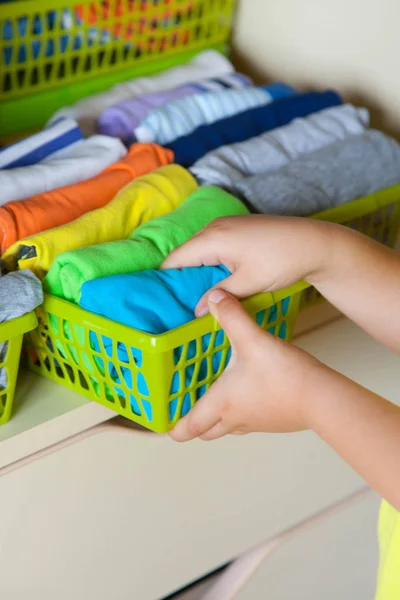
250,123
155,302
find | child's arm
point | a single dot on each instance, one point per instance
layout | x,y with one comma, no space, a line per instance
272,386
360,277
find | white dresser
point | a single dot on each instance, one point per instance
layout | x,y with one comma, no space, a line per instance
117,513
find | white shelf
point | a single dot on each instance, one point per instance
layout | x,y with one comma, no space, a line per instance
44,414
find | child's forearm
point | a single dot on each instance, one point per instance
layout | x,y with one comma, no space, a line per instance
360,426
362,279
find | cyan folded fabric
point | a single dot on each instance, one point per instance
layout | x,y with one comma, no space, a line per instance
275,149
154,302
190,148
179,118
147,247
145,198
79,162
35,148
121,119
20,293
205,65
339,173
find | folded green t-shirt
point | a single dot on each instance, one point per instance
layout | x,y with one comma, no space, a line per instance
147,246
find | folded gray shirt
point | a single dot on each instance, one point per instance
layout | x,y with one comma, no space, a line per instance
20,293
275,149
352,168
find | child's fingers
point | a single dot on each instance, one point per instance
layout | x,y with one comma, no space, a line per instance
234,320
196,252
218,431
202,417
234,285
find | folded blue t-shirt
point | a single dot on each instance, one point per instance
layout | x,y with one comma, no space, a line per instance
250,123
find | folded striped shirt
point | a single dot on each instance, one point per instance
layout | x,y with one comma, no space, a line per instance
121,119
176,119
35,148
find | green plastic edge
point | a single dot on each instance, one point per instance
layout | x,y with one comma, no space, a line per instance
360,207
18,326
31,112
163,342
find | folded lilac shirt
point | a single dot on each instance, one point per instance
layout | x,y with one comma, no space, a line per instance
122,118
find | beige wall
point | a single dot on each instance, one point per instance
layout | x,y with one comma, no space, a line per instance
353,45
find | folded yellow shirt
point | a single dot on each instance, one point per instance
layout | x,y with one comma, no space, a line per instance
145,198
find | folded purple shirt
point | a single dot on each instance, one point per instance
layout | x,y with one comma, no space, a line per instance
122,118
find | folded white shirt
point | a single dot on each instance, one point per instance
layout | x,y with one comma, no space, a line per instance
205,65
77,163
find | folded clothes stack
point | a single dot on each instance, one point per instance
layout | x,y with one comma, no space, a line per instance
19,219
206,65
278,147
121,119
181,117
247,124
146,246
145,198
96,220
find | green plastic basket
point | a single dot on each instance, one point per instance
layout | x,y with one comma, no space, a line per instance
150,379
11,334
54,52
377,216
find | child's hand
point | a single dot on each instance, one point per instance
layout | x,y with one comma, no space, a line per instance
272,386
264,388
263,253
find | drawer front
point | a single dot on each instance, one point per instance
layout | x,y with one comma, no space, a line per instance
136,515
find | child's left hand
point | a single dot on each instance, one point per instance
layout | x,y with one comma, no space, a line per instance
263,389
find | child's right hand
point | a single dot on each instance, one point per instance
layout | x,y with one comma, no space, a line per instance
263,253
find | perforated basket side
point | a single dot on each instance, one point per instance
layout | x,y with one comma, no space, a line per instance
11,334
152,380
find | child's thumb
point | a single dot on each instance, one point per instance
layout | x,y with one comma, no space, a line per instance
234,320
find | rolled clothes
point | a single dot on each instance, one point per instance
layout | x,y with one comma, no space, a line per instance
24,218
121,119
339,173
147,246
20,293
205,65
276,148
145,198
190,148
176,119
82,161
50,141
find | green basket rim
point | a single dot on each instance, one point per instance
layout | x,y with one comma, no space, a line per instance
156,342
18,326
357,208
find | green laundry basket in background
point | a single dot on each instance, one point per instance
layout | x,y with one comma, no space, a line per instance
54,52
377,216
11,334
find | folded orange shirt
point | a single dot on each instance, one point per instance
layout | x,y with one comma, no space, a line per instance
23,218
